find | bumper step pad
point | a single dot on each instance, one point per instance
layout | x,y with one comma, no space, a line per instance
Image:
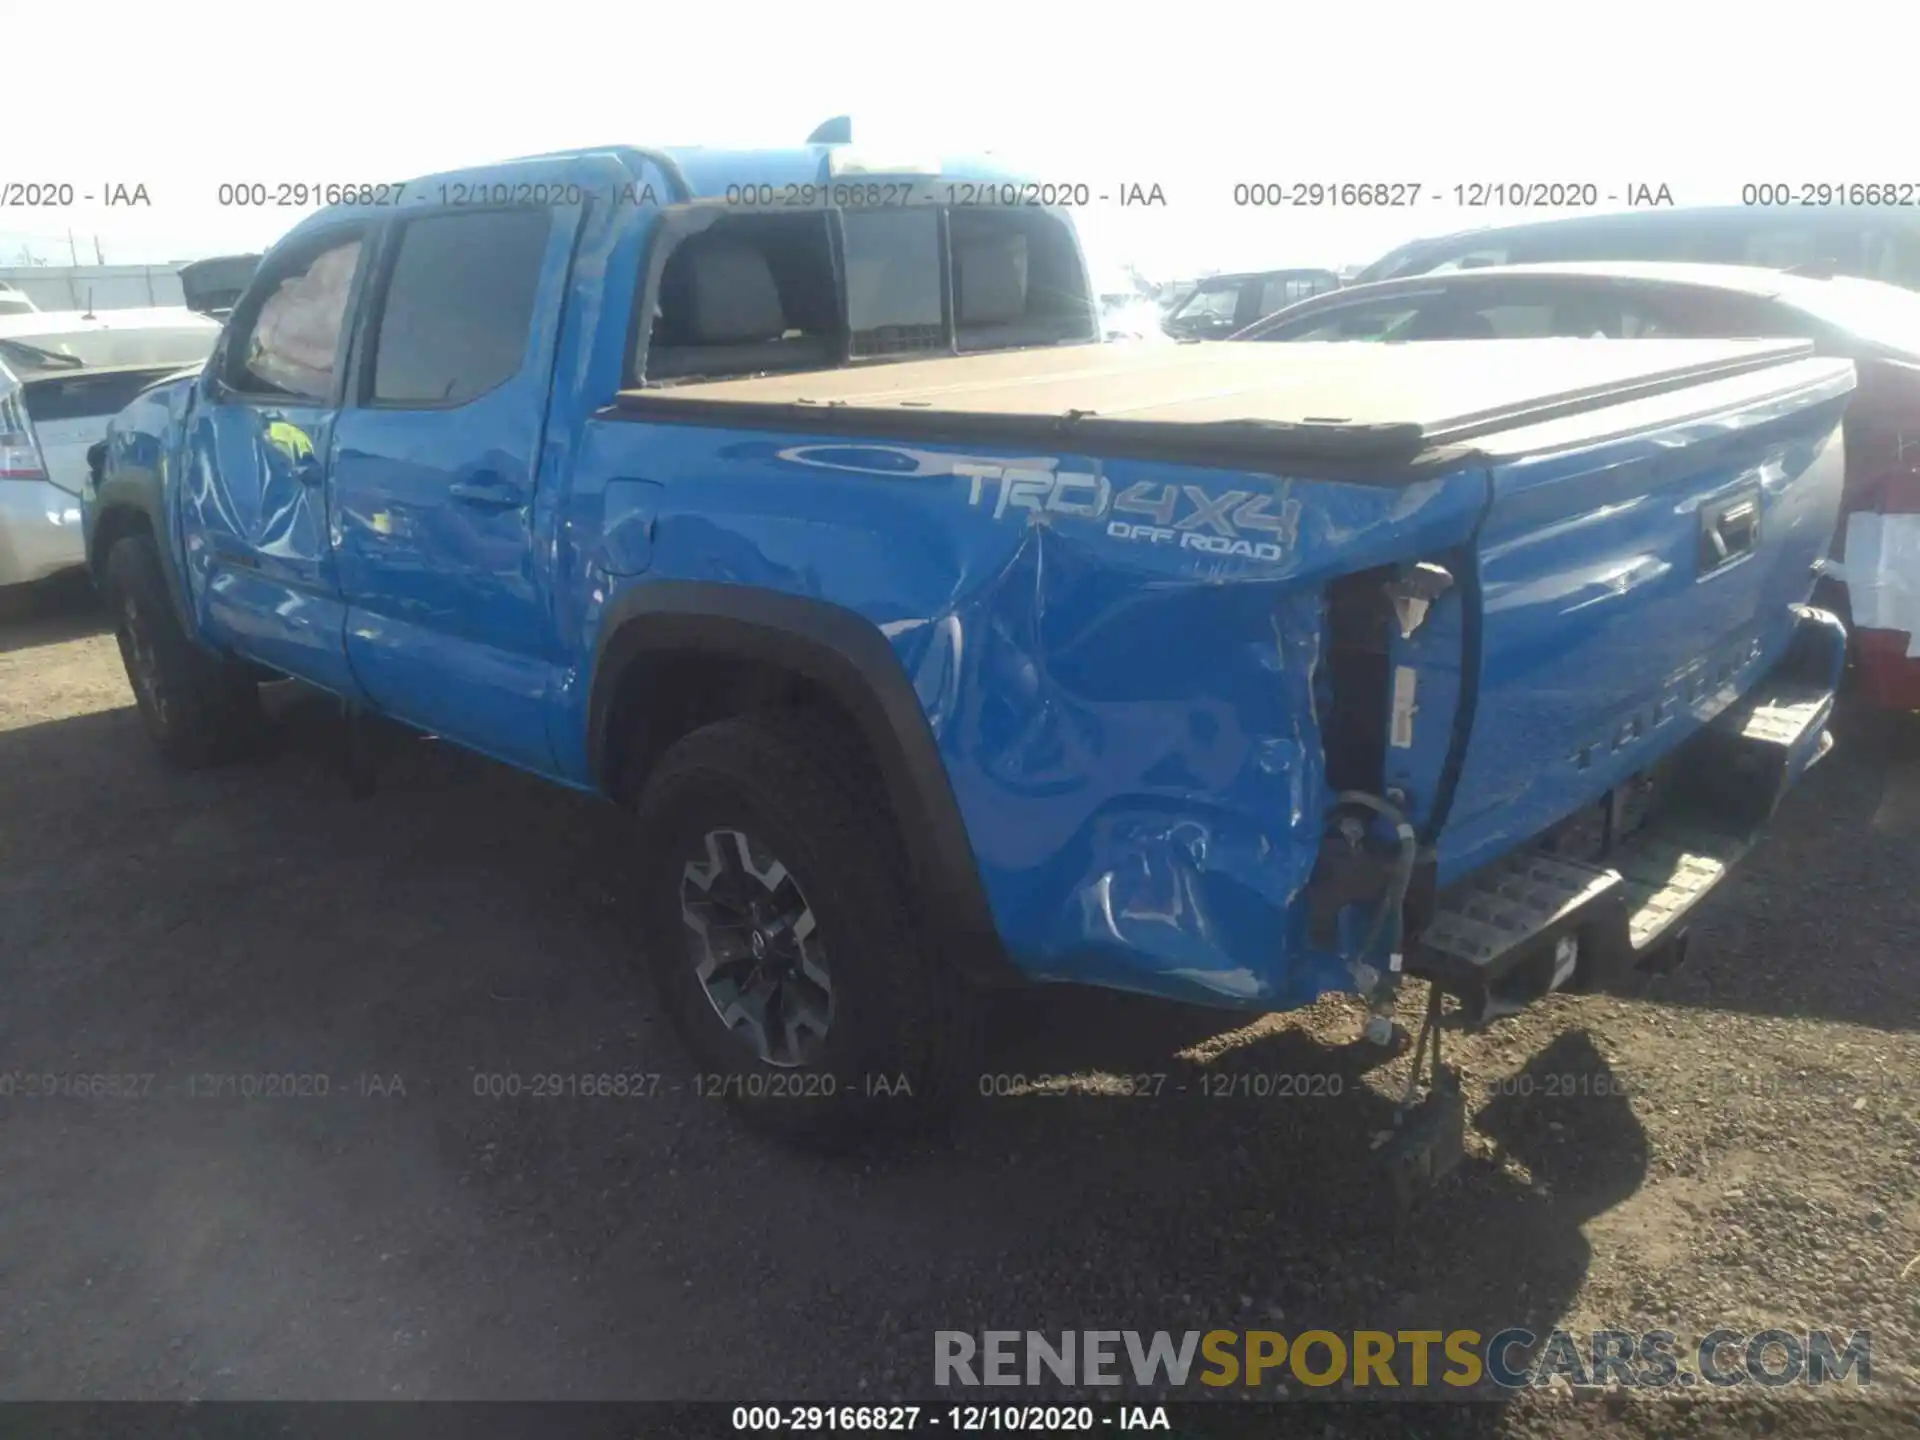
1666,875
1536,921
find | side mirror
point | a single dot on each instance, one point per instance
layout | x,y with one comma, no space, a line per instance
211,287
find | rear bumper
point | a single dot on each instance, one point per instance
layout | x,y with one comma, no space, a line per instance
39,531
1881,573
1887,664
1538,920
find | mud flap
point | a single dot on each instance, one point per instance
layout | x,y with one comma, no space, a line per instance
1428,1142
1428,1139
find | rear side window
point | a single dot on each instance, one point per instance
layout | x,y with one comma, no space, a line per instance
1279,291
459,306
292,345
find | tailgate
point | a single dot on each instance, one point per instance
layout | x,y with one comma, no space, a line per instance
1637,571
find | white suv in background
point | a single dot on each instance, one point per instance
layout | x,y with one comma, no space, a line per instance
63,376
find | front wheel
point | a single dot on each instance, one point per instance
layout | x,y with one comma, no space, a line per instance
199,709
781,933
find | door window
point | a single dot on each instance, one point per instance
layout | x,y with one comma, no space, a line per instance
1382,320
459,306
293,344
1213,306
1280,291
1507,322
1472,260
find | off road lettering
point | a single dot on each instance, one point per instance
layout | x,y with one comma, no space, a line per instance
1214,523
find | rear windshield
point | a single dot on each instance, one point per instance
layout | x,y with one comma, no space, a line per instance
153,346
1882,315
764,292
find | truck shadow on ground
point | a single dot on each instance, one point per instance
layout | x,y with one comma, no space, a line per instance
1818,920
467,922
49,612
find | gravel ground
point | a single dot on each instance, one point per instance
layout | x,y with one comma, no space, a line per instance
1740,1150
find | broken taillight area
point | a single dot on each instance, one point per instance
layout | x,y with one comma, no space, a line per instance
20,457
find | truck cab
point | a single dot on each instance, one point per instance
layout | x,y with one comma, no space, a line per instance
792,500
386,426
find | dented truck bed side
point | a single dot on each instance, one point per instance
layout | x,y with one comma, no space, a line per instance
1147,680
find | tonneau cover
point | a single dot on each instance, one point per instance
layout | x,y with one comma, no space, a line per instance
1224,401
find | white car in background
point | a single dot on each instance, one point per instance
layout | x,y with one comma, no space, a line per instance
63,376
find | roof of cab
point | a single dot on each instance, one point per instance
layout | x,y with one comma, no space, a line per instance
1757,280
43,323
1656,218
691,172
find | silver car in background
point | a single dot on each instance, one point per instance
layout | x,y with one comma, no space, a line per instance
63,376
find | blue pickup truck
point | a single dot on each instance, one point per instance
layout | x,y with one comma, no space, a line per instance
792,501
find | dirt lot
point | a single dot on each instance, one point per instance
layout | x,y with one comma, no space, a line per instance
1741,1151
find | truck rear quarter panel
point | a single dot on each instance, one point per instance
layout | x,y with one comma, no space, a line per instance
1129,719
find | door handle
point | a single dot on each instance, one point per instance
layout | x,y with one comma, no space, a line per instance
1728,531
488,491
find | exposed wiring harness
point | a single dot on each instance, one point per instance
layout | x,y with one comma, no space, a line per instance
1390,916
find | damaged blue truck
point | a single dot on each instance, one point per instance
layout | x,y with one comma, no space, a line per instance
793,502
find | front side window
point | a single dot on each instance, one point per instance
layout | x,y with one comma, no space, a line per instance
293,344
459,306
1217,305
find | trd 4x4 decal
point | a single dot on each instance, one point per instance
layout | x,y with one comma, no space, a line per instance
1253,524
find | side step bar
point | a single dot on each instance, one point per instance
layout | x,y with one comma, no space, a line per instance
1536,922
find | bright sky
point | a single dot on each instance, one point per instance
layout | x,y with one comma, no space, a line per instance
1191,99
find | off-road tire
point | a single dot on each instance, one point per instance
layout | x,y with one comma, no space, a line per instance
198,708
904,1030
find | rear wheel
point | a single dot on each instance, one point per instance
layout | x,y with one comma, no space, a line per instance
782,937
199,709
